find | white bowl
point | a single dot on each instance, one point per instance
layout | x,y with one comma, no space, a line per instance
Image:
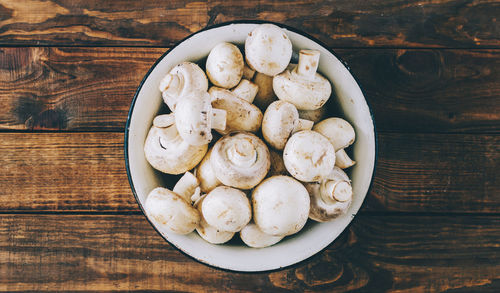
235,255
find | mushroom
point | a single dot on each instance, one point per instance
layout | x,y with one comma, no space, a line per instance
281,120
225,65
303,86
226,209
240,159
248,72
166,151
338,131
330,197
194,118
210,233
170,210
254,237
280,206
186,186
184,78
308,156
265,95
240,114
342,160
313,115
268,49
206,174
277,164
164,120
246,90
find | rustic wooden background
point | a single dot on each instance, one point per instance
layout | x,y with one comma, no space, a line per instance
430,70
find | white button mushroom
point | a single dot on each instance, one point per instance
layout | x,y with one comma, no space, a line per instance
240,114
195,118
342,160
169,211
265,95
303,86
254,237
280,206
281,120
338,131
184,78
226,209
206,174
166,151
210,233
268,49
240,159
331,197
309,156
246,90
225,65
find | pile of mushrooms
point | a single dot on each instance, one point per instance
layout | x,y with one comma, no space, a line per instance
250,136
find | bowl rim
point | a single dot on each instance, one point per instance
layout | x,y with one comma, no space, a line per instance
146,76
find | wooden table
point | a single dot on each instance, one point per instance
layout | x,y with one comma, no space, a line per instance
429,69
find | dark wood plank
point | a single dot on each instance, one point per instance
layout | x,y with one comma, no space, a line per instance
86,172
375,254
91,88
344,23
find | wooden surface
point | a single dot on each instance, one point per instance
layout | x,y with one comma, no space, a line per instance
429,69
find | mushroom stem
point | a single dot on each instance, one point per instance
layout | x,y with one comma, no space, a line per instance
170,83
164,120
308,63
246,90
303,124
248,72
219,119
342,159
242,153
332,191
186,186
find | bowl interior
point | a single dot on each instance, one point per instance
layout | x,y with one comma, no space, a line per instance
235,256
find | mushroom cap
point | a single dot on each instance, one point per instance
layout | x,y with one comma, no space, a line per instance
265,95
338,131
240,114
169,211
280,206
226,209
193,118
240,159
254,237
325,206
206,175
210,233
308,156
304,93
166,151
181,80
278,123
268,49
225,65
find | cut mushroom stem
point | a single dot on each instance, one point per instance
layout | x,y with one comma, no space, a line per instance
219,119
248,72
333,190
171,83
246,90
343,160
186,186
308,63
164,120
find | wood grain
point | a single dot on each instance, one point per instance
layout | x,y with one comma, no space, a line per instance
90,89
343,23
375,254
86,172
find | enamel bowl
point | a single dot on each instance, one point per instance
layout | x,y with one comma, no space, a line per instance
234,255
